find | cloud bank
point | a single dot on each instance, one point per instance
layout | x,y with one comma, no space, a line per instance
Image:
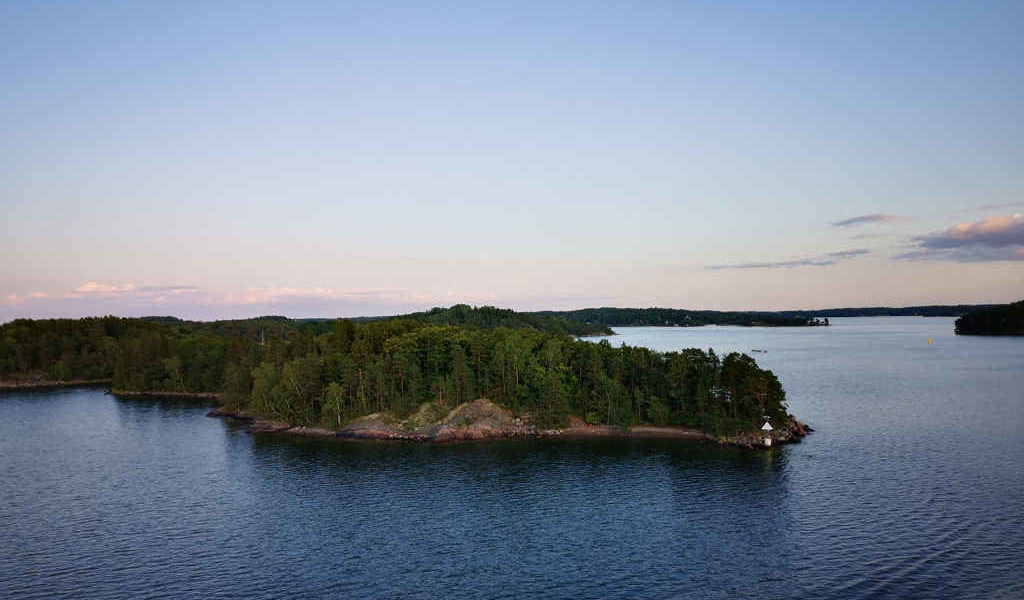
999,238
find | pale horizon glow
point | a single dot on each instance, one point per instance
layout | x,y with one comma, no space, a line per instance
315,159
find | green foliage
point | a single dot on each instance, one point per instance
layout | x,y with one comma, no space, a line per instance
339,370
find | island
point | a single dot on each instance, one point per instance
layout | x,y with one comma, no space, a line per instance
1007,319
497,374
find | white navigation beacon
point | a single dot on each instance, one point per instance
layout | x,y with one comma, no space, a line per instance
767,429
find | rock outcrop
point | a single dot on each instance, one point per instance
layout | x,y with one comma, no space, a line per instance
477,420
792,432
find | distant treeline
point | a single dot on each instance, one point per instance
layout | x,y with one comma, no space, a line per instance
326,373
625,317
1007,319
888,311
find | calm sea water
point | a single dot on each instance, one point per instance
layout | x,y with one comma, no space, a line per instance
912,487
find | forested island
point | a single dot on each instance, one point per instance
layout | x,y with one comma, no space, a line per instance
1007,319
417,376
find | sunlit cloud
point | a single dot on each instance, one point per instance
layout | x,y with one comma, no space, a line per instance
94,288
866,219
822,260
999,238
91,287
16,299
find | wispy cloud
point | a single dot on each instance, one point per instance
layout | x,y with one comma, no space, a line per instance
190,294
168,289
865,219
998,238
868,236
92,287
99,291
273,295
822,260
126,298
1001,206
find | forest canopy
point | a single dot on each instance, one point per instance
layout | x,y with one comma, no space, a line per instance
328,373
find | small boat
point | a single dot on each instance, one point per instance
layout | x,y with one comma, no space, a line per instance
758,350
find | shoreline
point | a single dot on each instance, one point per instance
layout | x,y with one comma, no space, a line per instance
194,395
498,423
41,384
792,433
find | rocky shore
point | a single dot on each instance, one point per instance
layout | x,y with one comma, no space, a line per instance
195,395
791,432
48,383
485,420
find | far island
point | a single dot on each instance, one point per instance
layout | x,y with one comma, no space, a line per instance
411,378
675,317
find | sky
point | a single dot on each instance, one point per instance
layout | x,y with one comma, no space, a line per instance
233,159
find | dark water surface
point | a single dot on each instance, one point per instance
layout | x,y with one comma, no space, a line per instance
912,487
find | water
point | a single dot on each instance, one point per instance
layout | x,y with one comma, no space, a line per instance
912,487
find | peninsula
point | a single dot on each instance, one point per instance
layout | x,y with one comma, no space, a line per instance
1007,319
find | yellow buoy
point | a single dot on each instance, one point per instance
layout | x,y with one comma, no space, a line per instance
929,341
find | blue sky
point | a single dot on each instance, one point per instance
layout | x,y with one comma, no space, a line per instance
319,159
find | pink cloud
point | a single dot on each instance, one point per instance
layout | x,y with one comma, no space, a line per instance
992,239
91,287
92,298
993,231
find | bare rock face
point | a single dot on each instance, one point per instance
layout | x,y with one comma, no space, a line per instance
477,420
265,426
482,419
377,426
228,414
